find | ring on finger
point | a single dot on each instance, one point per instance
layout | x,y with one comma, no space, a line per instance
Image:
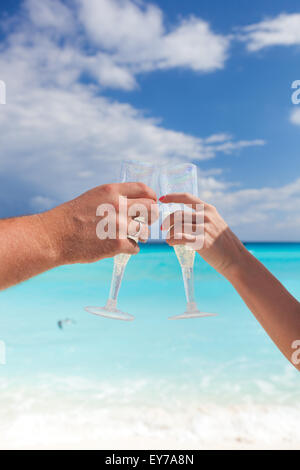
135,236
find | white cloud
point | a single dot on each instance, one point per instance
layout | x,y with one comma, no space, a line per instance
258,214
79,138
54,15
41,203
223,142
124,26
283,30
61,136
194,45
57,128
111,41
136,37
295,116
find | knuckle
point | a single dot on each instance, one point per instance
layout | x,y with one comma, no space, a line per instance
211,208
143,187
115,201
135,249
108,188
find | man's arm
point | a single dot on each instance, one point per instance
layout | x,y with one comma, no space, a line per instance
273,306
66,234
25,250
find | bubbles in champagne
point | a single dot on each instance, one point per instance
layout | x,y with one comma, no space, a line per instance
120,262
185,255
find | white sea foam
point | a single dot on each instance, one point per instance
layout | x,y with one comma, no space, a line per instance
77,413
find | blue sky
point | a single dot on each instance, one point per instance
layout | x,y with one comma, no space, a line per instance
92,82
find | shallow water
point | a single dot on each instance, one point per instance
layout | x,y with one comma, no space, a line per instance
187,381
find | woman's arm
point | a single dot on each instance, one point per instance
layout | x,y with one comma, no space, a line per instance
273,306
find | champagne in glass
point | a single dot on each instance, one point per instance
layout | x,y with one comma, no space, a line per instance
132,171
182,179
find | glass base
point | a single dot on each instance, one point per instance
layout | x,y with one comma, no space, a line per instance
192,312
110,311
186,315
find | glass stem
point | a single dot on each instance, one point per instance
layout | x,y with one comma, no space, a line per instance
188,279
120,262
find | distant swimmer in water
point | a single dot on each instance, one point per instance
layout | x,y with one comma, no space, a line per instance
66,321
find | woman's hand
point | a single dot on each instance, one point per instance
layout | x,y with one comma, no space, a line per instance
218,244
273,306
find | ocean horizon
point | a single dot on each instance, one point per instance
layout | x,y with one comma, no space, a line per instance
216,382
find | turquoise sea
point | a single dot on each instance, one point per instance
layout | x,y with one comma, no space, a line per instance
214,382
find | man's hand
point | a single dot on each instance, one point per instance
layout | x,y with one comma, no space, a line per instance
71,227
67,234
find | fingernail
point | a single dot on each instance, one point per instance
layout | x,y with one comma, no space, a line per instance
161,227
162,198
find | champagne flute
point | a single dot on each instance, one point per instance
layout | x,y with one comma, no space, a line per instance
132,171
182,178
